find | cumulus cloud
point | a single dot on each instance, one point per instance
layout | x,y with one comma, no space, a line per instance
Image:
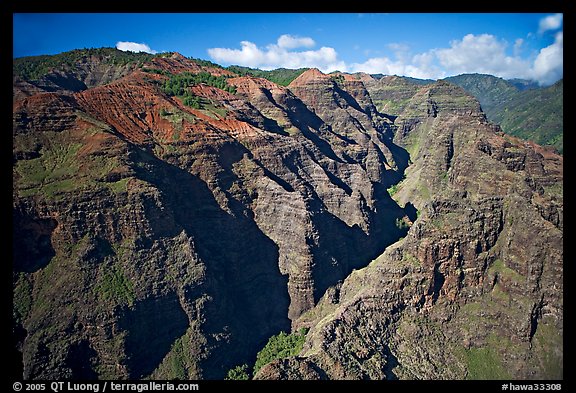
418,66
549,64
482,53
288,41
551,22
486,54
279,55
134,47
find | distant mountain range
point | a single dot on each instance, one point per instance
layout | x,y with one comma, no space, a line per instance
520,107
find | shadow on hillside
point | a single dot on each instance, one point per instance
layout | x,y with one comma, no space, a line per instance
249,297
32,240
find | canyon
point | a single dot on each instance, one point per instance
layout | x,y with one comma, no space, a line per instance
407,234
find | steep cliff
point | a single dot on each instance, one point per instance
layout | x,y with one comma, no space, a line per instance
475,288
529,112
157,239
151,236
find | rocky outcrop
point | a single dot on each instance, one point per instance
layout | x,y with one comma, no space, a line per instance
390,94
459,297
290,369
88,72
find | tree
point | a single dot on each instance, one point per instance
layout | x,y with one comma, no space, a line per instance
280,346
238,373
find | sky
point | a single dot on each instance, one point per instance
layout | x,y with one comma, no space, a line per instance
427,46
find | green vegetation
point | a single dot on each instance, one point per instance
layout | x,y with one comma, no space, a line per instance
549,343
177,117
205,63
402,224
119,186
411,259
238,373
280,346
115,347
280,76
491,91
337,78
212,110
446,221
535,114
35,67
51,173
178,85
505,272
62,168
424,191
393,190
392,106
22,297
485,363
556,190
115,287
192,101
444,176
412,145
179,363
392,95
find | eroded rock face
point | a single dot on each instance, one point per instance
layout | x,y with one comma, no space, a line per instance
157,240
231,220
475,288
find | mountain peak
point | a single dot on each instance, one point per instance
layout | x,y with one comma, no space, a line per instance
310,75
364,77
178,56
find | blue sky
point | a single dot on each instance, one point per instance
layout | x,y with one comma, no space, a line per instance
520,45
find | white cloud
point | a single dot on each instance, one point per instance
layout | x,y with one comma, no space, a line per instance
551,22
483,53
278,55
420,66
134,47
288,41
487,55
549,64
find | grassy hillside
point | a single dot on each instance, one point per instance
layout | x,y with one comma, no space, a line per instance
530,113
281,76
536,115
491,91
34,67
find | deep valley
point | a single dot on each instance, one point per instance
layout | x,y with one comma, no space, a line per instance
170,216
